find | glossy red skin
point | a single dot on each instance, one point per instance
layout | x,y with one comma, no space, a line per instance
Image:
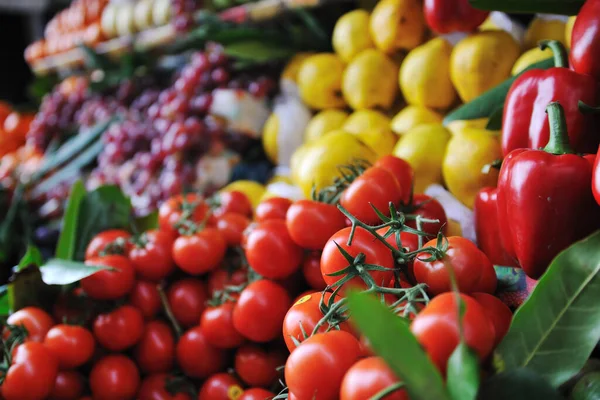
311,223
232,226
31,374
153,260
376,187
428,208
473,270
114,377
487,227
153,388
585,40
170,212
271,252
447,16
37,322
71,345
221,277
273,208
596,178
119,329
209,243
155,351
525,123
311,269
256,366
217,326
69,385
256,394
99,242
144,296
316,368
187,298
549,203
259,312
220,387
363,242
401,170
234,202
498,313
197,358
109,284
368,377
409,241
436,328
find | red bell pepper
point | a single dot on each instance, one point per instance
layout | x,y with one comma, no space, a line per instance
487,228
447,16
524,122
596,178
545,200
585,40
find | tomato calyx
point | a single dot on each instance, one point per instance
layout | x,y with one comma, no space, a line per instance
331,194
179,383
230,293
116,247
16,336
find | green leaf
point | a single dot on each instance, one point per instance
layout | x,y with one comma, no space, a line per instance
391,338
65,272
554,332
463,373
4,304
65,248
518,384
562,7
32,256
93,60
257,51
27,289
146,223
495,121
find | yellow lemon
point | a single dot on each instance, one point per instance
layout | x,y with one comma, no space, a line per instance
459,126
320,81
531,56
253,190
324,122
293,66
489,25
269,137
569,30
411,116
351,34
425,75
368,81
454,228
373,129
544,29
398,25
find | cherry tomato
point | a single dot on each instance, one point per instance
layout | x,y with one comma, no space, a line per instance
401,170
217,326
498,313
410,241
316,368
31,374
311,269
221,277
232,226
71,345
36,321
259,312
272,208
368,377
119,329
109,284
473,270
256,394
233,202
428,208
376,187
196,357
187,298
155,351
311,223
257,367
220,387
144,296
152,258
208,243
271,252
154,388
114,377
189,207
73,307
69,385
436,328
363,242
113,241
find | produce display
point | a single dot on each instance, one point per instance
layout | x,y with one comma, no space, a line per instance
397,200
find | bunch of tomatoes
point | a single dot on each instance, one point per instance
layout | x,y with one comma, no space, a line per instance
226,302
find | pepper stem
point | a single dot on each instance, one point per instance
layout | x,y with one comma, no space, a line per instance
561,59
559,139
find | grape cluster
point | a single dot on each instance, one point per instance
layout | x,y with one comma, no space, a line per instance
183,13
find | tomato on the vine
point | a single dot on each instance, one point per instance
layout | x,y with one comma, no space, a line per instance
256,394
409,241
311,269
154,388
368,377
221,278
155,351
429,208
114,377
498,313
32,373
256,366
151,256
272,208
217,325
191,207
200,252
233,202
119,329
109,284
196,357
232,227
220,387
401,170
187,298
145,297
69,385
112,241
71,345
36,321
311,223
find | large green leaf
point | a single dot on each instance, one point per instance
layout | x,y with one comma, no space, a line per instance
65,272
554,332
563,7
257,51
146,223
4,304
65,248
32,256
392,339
517,384
463,373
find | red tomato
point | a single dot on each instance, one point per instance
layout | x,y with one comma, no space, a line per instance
71,345
152,258
473,270
376,187
257,367
256,394
69,385
217,326
221,277
197,358
498,313
311,269
363,242
272,208
190,207
316,368
31,374
187,298
271,252
155,351
436,328
232,226
144,296
113,241
233,202
401,170
368,377
153,388
109,284
220,387
410,241
259,312
119,329
428,208
311,223
114,377
36,321
201,252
